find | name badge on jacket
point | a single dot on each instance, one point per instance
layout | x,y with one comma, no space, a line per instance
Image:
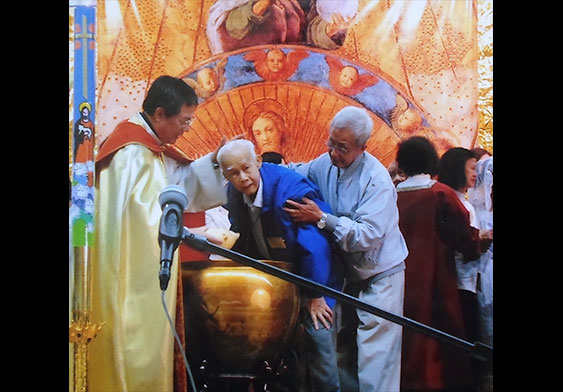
276,242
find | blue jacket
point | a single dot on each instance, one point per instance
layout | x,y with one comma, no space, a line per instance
304,244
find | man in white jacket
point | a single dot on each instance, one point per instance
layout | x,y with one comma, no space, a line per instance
365,225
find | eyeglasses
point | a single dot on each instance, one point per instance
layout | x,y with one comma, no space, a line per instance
187,122
341,148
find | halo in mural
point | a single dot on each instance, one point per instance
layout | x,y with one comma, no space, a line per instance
310,85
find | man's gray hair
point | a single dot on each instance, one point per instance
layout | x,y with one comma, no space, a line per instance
235,145
356,120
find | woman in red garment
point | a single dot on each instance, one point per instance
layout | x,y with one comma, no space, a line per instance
434,224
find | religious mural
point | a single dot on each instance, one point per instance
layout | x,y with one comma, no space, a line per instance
83,130
411,64
275,71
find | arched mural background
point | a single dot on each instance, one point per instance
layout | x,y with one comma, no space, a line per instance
428,51
422,67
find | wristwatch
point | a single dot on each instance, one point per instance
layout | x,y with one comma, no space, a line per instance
321,224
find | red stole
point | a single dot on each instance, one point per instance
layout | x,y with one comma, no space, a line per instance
129,133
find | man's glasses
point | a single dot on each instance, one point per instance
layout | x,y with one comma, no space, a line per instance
187,122
341,148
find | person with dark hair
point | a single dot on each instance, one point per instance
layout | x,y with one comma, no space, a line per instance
435,225
134,351
417,156
457,170
170,94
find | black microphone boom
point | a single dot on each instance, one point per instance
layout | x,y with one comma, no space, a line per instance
477,350
172,201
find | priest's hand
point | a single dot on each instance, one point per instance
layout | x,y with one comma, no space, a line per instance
228,237
221,144
320,311
306,212
210,236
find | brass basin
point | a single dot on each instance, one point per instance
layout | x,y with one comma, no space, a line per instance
236,316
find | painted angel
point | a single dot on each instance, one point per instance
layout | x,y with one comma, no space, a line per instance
405,121
275,65
346,79
208,80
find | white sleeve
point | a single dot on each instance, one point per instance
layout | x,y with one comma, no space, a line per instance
372,220
202,181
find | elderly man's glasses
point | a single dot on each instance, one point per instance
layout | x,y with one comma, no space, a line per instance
341,148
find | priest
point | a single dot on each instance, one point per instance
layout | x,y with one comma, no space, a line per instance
134,350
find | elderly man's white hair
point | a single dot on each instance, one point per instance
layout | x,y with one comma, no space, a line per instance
236,145
356,120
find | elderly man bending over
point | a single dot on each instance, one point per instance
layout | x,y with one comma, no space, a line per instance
256,195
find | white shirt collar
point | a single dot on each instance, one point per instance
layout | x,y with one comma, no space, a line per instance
139,120
258,200
349,171
418,180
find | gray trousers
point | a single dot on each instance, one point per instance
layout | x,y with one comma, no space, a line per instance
320,353
368,346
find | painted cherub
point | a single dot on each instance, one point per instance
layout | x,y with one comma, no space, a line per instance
407,122
275,65
208,80
346,80
404,120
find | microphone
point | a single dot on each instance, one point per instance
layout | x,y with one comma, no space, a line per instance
172,201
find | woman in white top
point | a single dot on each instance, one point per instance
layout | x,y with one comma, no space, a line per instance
481,197
457,169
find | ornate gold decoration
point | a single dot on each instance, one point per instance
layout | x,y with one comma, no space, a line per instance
81,332
485,69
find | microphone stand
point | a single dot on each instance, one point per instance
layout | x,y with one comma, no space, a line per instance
477,350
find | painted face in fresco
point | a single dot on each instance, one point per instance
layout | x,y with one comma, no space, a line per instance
242,171
409,121
206,79
267,135
275,60
342,148
85,113
348,76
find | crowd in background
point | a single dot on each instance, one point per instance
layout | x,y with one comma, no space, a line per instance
414,239
446,215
